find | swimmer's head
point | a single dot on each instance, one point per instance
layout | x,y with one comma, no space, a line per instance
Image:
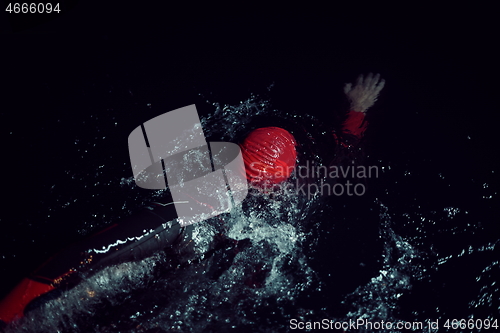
269,155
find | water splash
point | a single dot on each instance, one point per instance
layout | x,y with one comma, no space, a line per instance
257,269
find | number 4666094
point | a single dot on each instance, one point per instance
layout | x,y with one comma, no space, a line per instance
32,8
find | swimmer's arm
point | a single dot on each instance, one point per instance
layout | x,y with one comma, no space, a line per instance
361,97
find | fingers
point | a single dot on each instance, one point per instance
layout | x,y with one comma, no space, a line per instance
368,81
374,81
371,81
347,88
359,80
379,87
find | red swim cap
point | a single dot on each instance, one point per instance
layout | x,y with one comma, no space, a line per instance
269,155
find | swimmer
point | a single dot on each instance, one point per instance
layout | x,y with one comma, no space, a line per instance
270,157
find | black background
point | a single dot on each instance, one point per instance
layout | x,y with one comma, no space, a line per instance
109,60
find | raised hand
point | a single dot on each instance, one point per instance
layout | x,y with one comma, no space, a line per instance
365,92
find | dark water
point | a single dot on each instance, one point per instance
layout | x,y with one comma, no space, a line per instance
421,245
